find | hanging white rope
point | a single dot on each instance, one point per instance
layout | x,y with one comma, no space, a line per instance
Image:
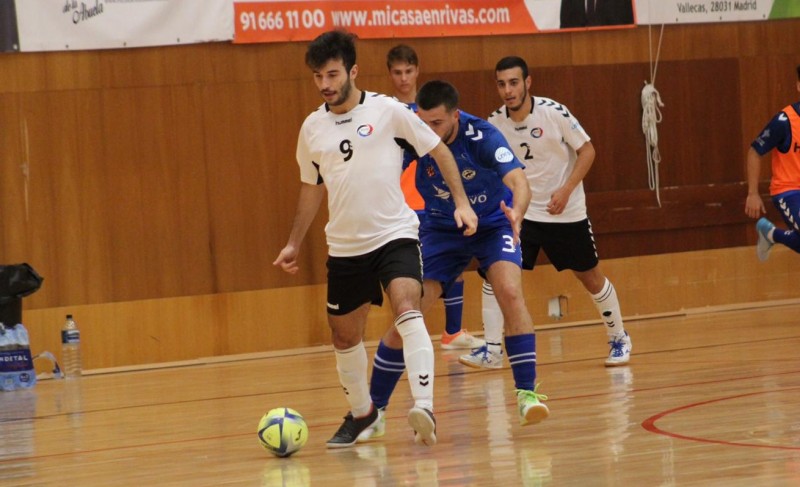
651,117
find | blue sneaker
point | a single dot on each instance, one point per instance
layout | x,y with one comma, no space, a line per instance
763,227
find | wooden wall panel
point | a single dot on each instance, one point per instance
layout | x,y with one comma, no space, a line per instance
699,137
13,211
238,163
53,242
118,202
606,101
157,190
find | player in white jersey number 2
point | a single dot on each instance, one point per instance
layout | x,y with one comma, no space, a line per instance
350,148
557,154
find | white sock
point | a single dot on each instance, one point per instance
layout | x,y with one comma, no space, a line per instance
352,367
418,354
608,306
492,319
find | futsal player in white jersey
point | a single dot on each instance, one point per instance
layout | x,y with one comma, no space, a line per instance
557,154
350,148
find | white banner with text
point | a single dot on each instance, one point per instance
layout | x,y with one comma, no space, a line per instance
711,11
58,25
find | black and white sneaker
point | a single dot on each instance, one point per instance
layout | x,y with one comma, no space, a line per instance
348,432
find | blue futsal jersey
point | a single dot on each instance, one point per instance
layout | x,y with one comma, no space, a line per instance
484,158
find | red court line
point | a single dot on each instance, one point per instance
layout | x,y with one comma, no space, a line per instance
649,424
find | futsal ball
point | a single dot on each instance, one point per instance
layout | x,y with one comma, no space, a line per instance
282,431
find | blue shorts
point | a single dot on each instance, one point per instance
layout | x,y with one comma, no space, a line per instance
446,252
788,205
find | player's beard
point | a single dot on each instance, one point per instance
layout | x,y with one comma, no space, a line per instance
344,94
518,106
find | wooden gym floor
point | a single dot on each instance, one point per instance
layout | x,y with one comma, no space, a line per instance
710,398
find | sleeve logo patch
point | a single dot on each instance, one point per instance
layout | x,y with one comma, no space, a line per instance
503,154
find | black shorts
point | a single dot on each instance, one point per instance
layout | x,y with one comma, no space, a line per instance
353,281
567,245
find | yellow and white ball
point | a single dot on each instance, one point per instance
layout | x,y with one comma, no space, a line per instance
282,431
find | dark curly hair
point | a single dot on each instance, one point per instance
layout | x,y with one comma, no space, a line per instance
334,44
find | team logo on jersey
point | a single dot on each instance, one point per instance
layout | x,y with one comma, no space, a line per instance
468,174
440,193
365,130
537,132
503,154
430,171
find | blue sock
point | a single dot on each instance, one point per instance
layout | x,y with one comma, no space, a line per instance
788,238
454,307
521,351
387,367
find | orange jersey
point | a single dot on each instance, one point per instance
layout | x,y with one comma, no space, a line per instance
407,182
786,166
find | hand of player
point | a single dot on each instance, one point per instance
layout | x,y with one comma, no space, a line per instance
515,218
753,206
558,201
466,217
287,260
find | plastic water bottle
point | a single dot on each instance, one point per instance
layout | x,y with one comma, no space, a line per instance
71,348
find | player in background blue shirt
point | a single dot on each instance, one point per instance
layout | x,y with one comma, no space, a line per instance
780,137
499,193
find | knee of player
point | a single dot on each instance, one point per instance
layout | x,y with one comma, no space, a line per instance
593,279
345,339
508,294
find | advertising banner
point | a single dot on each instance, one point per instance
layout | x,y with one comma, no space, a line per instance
47,25
710,11
286,20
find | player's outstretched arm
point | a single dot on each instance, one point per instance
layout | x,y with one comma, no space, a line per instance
464,215
753,205
307,206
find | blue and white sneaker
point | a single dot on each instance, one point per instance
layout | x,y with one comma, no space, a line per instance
620,351
765,243
483,358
